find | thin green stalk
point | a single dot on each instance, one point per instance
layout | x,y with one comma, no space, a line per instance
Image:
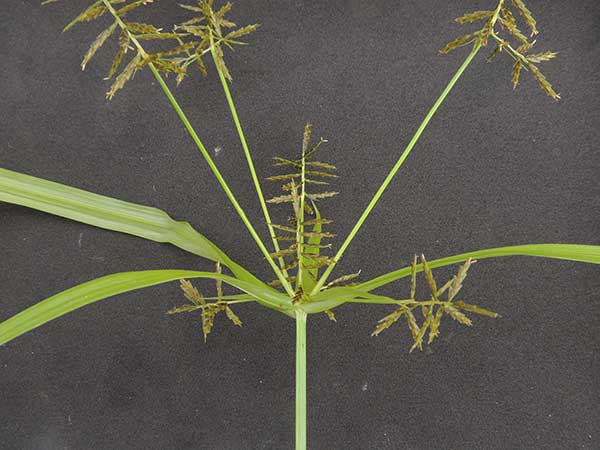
397,166
238,126
205,153
220,178
300,380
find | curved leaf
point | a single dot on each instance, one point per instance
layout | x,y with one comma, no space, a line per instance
336,296
571,252
110,285
112,214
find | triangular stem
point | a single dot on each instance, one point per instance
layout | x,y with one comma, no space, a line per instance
300,380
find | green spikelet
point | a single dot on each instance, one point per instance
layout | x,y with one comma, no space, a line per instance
457,315
233,317
388,321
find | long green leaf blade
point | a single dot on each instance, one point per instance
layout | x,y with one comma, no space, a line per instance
570,252
110,285
111,214
310,276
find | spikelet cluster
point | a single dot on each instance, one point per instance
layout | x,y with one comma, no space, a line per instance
302,239
206,32
191,40
503,20
433,309
209,310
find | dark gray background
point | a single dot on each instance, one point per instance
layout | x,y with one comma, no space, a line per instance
495,167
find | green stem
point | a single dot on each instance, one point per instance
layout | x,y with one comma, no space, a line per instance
242,137
220,178
397,166
300,380
207,157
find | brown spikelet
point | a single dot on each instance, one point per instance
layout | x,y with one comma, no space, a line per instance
476,310
544,84
459,278
183,309
495,53
242,31
134,5
291,250
232,316
527,16
434,327
444,288
429,276
98,42
201,66
413,278
167,66
191,293
291,176
123,47
426,324
177,50
513,30
517,67
474,16
141,27
224,10
412,324
342,280
320,221
457,315
190,8
321,195
459,42
321,165
309,154
94,11
127,73
221,63
208,319
509,18
306,138
540,57
158,36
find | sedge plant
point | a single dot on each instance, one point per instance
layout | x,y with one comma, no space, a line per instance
298,249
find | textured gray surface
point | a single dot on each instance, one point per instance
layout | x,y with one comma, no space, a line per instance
495,168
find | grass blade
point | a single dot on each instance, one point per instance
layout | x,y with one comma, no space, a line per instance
570,252
111,214
310,276
110,285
